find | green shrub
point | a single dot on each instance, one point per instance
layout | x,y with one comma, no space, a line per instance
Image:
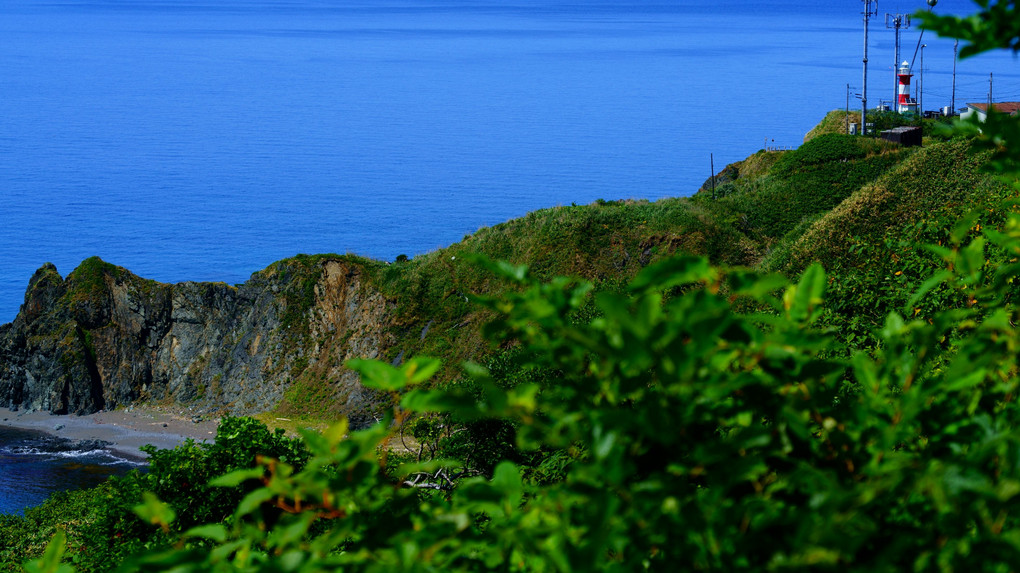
828,148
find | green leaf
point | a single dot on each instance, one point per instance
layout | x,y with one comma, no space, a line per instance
674,272
963,227
507,479
337,432
50,562
500,268
802,299
214,532
965,381
972,259
427,401
603,442
945,253
253,500
155,511
237,477
224,551
937,279
755,285
1005,275
894,326
420,369
378,375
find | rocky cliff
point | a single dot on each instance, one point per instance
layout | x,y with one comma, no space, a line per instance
104,337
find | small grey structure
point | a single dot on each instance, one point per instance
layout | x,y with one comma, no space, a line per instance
905,136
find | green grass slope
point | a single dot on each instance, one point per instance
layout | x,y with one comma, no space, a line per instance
605,243
859,205
873,243
843,200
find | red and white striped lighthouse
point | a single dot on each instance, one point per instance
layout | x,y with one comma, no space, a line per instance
905,103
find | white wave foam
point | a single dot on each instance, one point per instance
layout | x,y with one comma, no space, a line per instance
99,455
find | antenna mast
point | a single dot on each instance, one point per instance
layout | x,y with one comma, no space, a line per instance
864,91
952,104
897,21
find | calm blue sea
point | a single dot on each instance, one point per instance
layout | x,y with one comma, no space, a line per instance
203,140
34,465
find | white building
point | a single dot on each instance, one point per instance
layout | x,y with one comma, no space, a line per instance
981,109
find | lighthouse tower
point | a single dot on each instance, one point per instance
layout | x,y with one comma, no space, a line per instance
905,103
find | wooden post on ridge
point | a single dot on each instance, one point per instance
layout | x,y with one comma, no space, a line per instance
711,163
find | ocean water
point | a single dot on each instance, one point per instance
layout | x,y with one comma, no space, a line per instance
34,465
203,140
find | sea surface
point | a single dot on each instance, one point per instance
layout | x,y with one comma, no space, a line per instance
205,139
33,465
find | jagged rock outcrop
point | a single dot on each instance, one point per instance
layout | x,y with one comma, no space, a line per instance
104,337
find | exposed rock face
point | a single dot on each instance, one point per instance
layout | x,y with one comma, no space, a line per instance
105,337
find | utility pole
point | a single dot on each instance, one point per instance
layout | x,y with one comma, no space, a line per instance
989,92
847,115
864,91
920,84
711,164
897,21
920,46
952,102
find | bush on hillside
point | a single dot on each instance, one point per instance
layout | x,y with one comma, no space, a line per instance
773,206
828,148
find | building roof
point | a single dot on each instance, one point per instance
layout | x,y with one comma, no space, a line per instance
1010,107
902,129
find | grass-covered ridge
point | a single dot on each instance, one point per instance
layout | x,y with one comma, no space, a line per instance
777,211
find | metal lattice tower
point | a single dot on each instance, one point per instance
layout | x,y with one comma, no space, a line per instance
868,13
897,22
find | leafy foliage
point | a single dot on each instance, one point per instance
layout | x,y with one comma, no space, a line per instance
996,25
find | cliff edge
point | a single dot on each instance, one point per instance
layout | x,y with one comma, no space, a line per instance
104,337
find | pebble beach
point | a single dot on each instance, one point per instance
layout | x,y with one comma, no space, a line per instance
124,430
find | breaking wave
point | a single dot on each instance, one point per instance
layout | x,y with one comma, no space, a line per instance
94,451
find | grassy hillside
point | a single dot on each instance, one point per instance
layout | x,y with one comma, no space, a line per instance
848,202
